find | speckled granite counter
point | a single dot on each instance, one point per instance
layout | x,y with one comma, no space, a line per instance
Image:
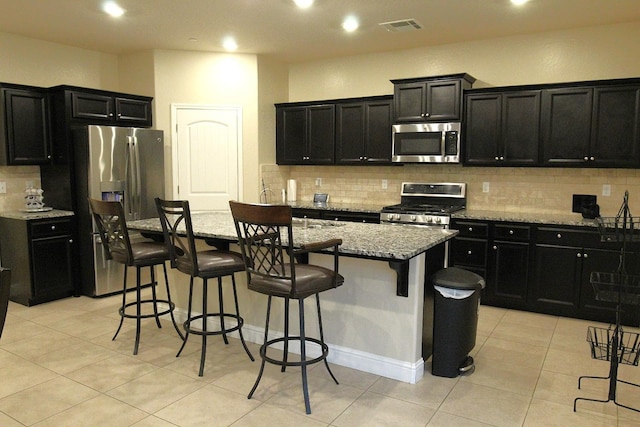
573,219
364,240
55,213
346,207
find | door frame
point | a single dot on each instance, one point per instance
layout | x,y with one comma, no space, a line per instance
175,107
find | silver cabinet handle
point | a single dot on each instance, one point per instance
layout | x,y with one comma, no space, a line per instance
470,228
586,255
579,255
53,227
510,231
586,159
468,252
592,158
495,248
559,236
501,157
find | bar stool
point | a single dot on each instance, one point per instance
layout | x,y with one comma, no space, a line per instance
175,217
272,270
110,220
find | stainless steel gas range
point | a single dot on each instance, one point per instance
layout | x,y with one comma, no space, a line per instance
426,204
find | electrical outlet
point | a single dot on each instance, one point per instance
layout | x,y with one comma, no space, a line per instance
606,190
318,182
485,187
3,187
384,184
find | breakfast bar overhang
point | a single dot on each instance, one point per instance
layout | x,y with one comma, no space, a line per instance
374,323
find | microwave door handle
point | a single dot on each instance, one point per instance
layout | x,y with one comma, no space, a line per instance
443,143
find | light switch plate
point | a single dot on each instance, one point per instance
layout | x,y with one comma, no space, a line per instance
3,187
485,187
606,190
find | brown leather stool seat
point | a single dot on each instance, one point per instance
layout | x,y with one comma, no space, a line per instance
273,271
177,227
109,217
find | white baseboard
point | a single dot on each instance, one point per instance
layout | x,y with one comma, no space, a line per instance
344,356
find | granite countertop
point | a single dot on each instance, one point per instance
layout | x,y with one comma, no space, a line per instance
574,219
18,214
377,241
339,206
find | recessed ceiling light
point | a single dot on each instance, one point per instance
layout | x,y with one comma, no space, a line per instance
113,9
519,2
303,4
229,44
350,24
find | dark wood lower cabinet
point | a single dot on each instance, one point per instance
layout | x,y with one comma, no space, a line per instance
544,269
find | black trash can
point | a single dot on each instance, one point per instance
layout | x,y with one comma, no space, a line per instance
455,320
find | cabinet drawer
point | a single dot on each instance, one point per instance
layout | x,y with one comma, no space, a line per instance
520,233
472,229
470,252
50,228
564,237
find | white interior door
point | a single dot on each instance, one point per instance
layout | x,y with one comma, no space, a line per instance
206,155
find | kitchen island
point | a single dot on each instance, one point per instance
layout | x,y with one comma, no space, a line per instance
374,322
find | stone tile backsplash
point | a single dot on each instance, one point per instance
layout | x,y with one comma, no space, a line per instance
544,190
16,178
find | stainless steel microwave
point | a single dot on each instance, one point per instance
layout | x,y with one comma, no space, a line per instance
426,143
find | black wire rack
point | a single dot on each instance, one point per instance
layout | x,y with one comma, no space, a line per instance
613,344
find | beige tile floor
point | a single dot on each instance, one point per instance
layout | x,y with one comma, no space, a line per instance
59,367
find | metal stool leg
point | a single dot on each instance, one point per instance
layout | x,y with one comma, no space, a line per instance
285,356
203,350
152,272
171,305
235,299
303,358
322,338
138,311
223,329
263,349
187,323
124,302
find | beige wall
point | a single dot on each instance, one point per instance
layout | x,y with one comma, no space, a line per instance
585,54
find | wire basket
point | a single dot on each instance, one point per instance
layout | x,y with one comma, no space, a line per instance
601,342
616,287
617,229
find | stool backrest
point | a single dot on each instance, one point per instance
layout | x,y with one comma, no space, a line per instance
260,229
175,218
110,220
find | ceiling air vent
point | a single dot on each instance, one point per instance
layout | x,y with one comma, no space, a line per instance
402,26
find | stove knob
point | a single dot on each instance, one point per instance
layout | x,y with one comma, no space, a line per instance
397,217
429,219
413,217
438,219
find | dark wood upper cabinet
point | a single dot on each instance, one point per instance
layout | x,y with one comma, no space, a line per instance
615,127
24,126
363,131
566,125
305,134
108,108
432,99
502,129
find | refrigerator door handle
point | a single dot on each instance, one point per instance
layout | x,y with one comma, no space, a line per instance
137,190
129,190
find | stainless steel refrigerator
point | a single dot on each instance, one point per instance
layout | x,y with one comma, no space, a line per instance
114,163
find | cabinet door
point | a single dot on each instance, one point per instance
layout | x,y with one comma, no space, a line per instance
378,116
91,106
597,260
566,125
410,101
443,100
555,286
616,127
350,133
134,111
321,134
52,268
482,128
507,281
291,131
520,136
27,127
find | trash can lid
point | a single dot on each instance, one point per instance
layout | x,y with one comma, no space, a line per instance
457,278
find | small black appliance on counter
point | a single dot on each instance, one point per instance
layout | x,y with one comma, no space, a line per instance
586,205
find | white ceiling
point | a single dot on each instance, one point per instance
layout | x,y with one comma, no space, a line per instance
278,28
